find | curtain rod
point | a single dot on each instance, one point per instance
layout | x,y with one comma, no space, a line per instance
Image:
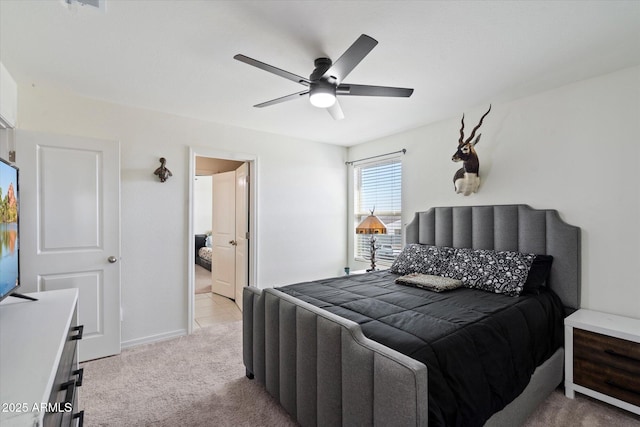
403,151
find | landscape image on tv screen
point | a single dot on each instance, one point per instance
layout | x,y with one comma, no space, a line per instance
8,229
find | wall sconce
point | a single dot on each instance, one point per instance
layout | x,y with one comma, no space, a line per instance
162,172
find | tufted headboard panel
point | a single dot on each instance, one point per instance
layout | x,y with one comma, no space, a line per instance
507,228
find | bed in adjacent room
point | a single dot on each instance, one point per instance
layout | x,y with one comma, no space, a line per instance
484,348
203,250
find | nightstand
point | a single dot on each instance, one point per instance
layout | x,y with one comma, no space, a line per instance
602,358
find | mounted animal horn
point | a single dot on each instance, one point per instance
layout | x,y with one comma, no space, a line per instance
467,179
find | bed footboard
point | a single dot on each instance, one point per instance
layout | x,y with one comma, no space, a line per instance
323,370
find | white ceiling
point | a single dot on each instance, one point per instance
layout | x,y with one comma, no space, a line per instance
177,56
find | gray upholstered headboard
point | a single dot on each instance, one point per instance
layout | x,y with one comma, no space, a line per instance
507,228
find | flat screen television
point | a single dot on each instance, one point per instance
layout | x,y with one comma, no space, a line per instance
9,230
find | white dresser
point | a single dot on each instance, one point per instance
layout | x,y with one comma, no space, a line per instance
39,372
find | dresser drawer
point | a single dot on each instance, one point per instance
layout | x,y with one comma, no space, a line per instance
608,365
62,400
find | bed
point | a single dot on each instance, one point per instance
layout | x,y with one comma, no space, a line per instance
317,361
202,251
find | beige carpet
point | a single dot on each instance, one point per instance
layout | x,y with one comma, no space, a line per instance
199,380
202,283
558,411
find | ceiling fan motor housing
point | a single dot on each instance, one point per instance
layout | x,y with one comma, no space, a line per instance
322,65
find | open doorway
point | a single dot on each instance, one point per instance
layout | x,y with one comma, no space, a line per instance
222,259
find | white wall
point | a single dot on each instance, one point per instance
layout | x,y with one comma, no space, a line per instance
299,183
574,149
202,204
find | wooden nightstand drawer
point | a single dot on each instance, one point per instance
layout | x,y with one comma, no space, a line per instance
606,350
608,365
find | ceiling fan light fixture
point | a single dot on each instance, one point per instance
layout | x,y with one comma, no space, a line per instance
322,96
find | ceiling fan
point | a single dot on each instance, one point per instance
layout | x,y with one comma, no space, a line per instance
326,80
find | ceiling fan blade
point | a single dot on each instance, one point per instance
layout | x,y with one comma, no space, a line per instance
366,90
282,99
336,111
274,70
352,57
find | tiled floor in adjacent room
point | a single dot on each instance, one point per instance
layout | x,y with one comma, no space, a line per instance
213,309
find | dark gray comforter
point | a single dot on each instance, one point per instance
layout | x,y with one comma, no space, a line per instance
480,348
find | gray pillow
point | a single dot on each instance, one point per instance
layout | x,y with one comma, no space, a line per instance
430,282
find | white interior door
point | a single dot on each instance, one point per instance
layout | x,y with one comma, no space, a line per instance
223,233
70,229
242,230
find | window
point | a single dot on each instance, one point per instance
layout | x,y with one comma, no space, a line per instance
379,185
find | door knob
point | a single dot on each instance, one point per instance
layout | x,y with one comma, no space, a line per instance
112,259
233,242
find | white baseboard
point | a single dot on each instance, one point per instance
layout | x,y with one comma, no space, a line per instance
153,338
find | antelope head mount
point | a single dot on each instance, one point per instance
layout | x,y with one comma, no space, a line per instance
467,178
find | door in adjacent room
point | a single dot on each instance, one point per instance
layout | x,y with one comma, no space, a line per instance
242,231
70,229
223,233
230,233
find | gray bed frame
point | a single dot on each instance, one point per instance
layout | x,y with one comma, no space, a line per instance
325,372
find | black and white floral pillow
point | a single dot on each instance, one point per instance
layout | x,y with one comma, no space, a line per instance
410,260
502,272
437,260
424,259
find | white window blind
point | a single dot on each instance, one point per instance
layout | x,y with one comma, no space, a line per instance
379,185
